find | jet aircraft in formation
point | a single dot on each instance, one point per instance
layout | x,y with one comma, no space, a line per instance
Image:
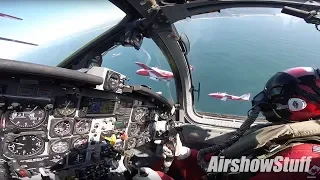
155,73
224,96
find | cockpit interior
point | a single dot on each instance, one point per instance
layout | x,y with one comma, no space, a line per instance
82,121
77,124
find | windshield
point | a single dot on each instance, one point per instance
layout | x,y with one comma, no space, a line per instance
235,52
58,28
147,67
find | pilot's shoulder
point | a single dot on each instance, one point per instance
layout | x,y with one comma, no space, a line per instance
304,150
300,150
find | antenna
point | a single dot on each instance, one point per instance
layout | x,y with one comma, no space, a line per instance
198,91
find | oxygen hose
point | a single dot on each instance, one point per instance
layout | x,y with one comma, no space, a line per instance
252,116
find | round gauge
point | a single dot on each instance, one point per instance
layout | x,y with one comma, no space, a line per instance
62,128
134,129
113,81
139,115
27,116
26,145
60,147
66,107
82,126
80,143
131,143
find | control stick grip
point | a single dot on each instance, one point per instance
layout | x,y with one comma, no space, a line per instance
295,12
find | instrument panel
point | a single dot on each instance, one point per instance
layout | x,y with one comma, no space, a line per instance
69,130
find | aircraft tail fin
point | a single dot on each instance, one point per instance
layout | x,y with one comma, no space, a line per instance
143,66
224,98
245,97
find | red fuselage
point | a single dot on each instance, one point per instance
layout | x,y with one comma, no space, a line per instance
228,96
164,74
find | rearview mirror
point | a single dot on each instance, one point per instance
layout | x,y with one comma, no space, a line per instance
184,43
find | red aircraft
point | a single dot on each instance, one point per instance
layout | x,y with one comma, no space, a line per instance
224,96
155,73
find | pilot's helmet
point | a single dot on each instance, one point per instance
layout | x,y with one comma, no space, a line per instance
291,95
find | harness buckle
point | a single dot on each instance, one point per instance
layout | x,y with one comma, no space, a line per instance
271,147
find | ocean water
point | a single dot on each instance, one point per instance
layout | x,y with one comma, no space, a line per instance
236,55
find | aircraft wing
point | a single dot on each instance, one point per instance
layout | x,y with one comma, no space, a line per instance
143,66
151,70
9,16
224,98
21,42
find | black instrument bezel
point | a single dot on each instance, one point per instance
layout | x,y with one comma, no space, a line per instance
9,137
42,102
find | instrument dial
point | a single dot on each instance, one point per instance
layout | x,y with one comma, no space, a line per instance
26,145
60,147
82,126
62,128
27,116
80,143
66,107
139,115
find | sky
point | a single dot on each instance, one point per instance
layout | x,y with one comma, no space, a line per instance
53,23
46,21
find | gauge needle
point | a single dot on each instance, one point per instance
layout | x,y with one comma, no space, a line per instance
33,109
67,105
19,144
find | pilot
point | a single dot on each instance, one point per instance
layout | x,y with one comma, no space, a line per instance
290,101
